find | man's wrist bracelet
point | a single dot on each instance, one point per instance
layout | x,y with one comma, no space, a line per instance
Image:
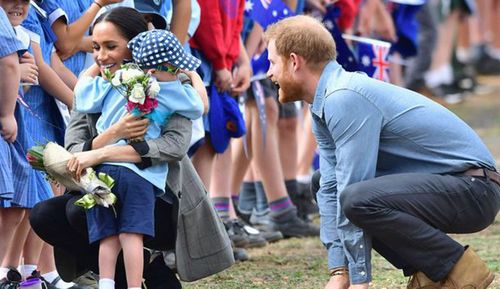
339,271
98,4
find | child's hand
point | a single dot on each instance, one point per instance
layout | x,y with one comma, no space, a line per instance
130,127
241,79
8,128
29,70
223,79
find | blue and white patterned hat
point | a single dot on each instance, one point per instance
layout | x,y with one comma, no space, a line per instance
154,47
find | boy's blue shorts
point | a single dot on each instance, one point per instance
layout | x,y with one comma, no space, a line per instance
134,208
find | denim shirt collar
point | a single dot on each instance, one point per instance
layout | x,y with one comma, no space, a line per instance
320,95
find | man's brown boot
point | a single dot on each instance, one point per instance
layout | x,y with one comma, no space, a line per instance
420,281
470,272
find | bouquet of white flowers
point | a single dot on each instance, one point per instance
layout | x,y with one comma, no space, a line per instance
52,159
139,88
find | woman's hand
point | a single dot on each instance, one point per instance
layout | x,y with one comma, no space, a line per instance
29,70
82,160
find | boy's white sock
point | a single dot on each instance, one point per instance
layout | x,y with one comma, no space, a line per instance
106,283
134,288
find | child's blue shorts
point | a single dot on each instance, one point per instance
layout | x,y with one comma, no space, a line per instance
134,208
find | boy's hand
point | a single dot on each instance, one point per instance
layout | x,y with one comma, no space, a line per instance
8,128
130,127
223,79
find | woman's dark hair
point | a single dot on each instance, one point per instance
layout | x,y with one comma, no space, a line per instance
128,21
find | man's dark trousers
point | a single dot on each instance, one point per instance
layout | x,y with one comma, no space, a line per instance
408,216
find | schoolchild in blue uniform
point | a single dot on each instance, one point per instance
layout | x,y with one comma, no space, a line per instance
18,181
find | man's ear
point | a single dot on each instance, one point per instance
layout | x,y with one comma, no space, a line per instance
296,61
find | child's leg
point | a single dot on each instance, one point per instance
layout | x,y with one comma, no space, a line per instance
133,257
109,248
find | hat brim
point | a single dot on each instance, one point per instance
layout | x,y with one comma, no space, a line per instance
159,22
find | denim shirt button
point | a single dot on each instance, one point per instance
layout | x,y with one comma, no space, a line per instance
361,246
362,273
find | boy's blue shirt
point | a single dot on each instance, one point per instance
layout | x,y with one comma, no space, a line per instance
96,95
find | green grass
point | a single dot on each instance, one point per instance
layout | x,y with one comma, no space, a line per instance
301,263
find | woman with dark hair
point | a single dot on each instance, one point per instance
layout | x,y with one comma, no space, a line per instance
179,222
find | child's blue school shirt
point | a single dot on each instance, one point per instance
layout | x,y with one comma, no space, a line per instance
96,95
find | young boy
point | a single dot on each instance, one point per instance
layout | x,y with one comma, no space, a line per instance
161,54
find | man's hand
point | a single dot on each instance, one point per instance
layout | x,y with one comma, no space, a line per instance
338,282
223,79
8,128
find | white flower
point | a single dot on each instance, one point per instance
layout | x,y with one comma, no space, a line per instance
116,79
131,74
137,94
153,88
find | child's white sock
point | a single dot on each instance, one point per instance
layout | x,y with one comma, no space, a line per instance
134,288
61,284
106,283
304,179
441,75
494,52
3,272
26,270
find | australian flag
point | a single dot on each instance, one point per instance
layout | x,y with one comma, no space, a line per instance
266,12
345,57
373,56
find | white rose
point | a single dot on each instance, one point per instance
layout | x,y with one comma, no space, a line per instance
131,74
137,94
153,88
116,79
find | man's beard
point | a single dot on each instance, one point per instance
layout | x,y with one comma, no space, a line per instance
290,90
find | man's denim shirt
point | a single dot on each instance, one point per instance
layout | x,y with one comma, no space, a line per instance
367,128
